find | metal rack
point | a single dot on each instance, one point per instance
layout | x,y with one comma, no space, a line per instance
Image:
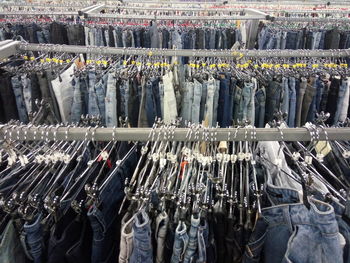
179,134
11,48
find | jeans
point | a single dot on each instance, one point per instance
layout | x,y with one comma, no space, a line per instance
210,102
285,96
341,99
103,217
310,92
100,89
196,103
332,99
8,101
191,248
10,248
169,99
247,95
64,92
17,90
27,93
224,114
162,222
273,100
345,105
93,109
187,102
77,105
216,102
288,233
34,239
260,100
203,101
142,251
292,103
300,98
111,101
180,243
202,242
126,239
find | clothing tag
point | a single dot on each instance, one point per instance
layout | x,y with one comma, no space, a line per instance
323,147
296,156
223,146
278,163
308,159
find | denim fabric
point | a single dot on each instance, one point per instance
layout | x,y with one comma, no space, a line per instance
324,98
197,95
27,92
292,103
238,104
155,90
10,246
191,248
102,215
162,222
124,97
8,102
216,102
202,242
203,101
151,110
341,99
224,114
332,99
285,95
247,95
260,100
155,43
180,243
332,39
100,89
64,92
345,105
47,89
126,240
310,93
319,92
169,99
93,109
312,109
273,99
142,242
287,233
186,109
75,34
77,105
210,102
17,90
34,239
300,99
111,101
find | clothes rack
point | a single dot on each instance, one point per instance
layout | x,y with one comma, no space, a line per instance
11,48
178,134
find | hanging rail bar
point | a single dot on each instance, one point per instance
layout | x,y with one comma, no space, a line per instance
336,53
39,13
180,134
310,19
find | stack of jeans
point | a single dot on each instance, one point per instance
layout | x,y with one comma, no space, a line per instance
303,38
220,98
152,36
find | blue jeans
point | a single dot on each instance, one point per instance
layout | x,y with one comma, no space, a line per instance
260,100
93,109
196,103
203,101
247,100
34,239
208,117
17,90
285,96
292,103
238,104
103,216
77,105
341,95
319,92
292,233
124,97
142,241
187,102
100,89
111,101
224,114
216,102
180,243
191,249
202,242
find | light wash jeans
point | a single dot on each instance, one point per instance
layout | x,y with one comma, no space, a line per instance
111,101
169,99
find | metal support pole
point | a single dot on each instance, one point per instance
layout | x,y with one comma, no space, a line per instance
180,134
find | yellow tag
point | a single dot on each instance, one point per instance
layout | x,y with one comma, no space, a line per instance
125,62
256,66
148,64
61,61
150,53
212,65
133,62
314,65
32,58
204,64
25,57
137,63
286,65
323,147
241,55
42,60
176,62
105,62
48,59
344,65
277,66
156,64
68,60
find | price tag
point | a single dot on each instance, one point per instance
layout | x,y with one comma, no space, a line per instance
308,159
